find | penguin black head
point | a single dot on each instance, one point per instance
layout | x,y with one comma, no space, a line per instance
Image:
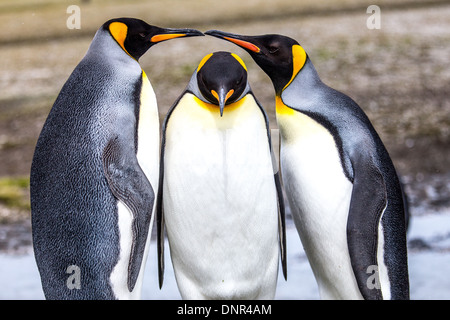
280,57
136,36
222,78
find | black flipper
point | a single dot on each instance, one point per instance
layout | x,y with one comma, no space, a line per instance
367,204
159,200
281,207
160,218
281,224
129,184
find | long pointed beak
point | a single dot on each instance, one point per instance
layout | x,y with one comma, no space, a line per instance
169,33
237,39
222,97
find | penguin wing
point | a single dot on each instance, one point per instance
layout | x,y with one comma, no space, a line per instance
368,201
281,207
160,215
281,224
129,184
159,199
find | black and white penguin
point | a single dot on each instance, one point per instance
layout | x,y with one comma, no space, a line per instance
94,175
342,187
220,194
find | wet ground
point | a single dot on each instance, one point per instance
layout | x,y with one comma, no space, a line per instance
428,258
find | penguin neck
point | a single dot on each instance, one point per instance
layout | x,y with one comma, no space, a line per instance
194,89
298,94
301,88
104,48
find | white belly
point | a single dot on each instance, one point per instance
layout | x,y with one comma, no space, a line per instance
319,195
148,159
220,203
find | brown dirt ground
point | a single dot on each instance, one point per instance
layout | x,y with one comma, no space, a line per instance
399,74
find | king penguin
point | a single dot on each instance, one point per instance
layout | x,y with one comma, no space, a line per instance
94,174
342,187
220,193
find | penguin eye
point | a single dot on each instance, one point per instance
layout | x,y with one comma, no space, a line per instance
142,35
273,49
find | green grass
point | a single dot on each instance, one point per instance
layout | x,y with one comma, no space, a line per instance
14,192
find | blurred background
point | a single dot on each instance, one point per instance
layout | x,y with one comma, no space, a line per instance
398,74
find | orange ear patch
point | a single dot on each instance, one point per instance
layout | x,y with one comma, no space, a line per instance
299,57
239,60
205,58
119,32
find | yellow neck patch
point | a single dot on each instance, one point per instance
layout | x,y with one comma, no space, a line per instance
299,59
281,108
144,75
214,109
119,32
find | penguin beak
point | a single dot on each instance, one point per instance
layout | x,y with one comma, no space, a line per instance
169,33
242,41
222,97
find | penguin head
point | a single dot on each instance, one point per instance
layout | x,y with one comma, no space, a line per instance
280,57
222,78
135,36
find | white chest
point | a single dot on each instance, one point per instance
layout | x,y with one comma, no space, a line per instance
148,134
148,158
319,195
220,201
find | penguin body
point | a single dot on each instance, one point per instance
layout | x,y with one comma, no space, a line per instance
316,184
220,195
94,175
342,187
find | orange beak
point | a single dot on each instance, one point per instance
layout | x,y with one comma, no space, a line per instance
168,34
222,98
244,44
